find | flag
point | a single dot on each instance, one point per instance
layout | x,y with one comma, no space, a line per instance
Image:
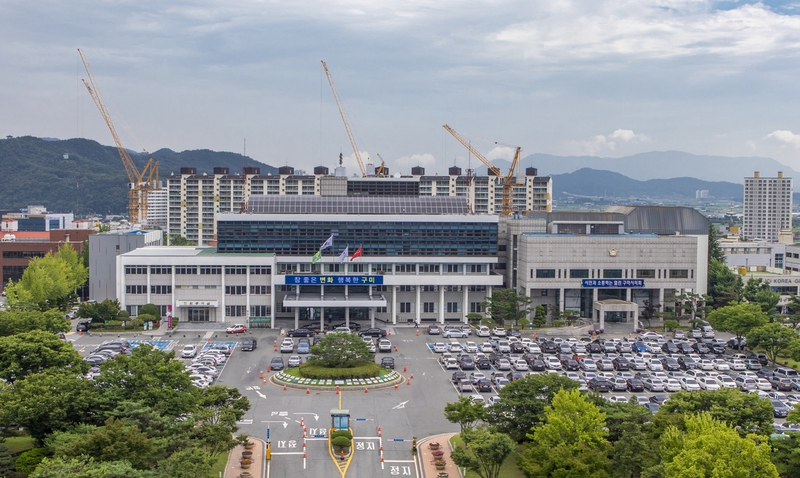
316,257
356,254
326,244
344,254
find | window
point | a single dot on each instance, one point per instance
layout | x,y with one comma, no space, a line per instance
429,307
406,307
260,310
162,310
135,289
477,288
161,289
236,270
381,310
645,273
545,273
579,273
235,289
357,267
612,273
377,268
135,269
429,268
210,270
186,270
133,310
678,273
261,270
476,307
235,310
455,268
452,288
161,270
22,254
476,268
430,288
544,292
453,307
405,268
406,288
334,267
259,289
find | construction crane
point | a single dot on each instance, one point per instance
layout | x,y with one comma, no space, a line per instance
509,180
139,186
380,171
344,120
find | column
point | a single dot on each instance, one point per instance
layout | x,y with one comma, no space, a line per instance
172,295
347,316
372,317
322,318
247,294
222,290
394,304
148,286
296,318
272,291
661,298
441,304
636,319
417,306
628,294
465,301
602,317
561,299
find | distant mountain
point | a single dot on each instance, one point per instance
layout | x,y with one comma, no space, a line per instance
588,182
658,165
82,176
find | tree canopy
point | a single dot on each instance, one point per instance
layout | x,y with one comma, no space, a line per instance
484,451
756,291
341,350
17,321
507,305
773,338
32,352
49,281
747,412
464,412
738,318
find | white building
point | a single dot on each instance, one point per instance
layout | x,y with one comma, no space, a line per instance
767,207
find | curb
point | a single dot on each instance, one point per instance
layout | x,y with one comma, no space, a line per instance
292,382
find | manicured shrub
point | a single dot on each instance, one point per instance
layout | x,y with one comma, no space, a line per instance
341,441
312,369
342,433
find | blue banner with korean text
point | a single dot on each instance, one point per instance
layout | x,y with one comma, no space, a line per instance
611,283
334,280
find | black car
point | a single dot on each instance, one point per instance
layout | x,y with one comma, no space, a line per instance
670,364
83,326
512,332
701,348
621,364
670,348
511,376
387,362
550,348
276,363
466,363
687,363
517,348
653,407
570,365
594,348
248,345
299,333
353,326
659,398
458,376
635,385
779,409
484,385
376,332
537,365
483,363
685,348
599,384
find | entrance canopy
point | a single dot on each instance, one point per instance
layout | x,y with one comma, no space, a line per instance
311,299
621,310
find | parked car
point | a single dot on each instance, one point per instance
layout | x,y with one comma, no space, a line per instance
454,333
374,332
236,329
433,329
304,347
287,346
299,333
599,384
294,361
189,351
483,331
465,386
384,346
83,326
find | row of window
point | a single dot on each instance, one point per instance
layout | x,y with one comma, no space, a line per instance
207,270
612,273
433,307
242,289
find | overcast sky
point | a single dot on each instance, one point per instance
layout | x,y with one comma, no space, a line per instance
595,77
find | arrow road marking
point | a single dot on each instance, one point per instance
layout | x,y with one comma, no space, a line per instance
316,417
282,423
261,395
400,405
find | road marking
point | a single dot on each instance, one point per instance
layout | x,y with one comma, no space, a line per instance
400,405
399,461
261,395
316,417
287,452
282,423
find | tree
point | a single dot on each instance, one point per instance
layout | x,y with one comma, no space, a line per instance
633,450
712,448
746,412
572,440
18,321
507,305
522,403
112,442
794,307
51,400
696,305
724,286
786,454
100,311
715,252
181,241
341,350
49,281
756,291
484,451
671,325
6,462
31,352
150,309
86,467
464,412
189,463
774,338
569,316
738,319
540,316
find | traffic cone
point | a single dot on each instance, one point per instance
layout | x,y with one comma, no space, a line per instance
379,431
284,387
405,369
408,382
389,333
396,384
342,456
265,382
337,390
304,453
269,369
276,345
395,347
260,374
417,332
302,422
80,333
411,376
308,391
366,390
208,341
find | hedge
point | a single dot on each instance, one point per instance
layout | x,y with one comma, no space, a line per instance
342,433
365,370
341,441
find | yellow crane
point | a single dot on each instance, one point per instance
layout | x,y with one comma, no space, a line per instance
139,187
344,120
380,170
509,180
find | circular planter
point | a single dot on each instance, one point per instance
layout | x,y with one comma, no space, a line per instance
437,454
442,474
245,464
249,445
434,445
439,465
246,455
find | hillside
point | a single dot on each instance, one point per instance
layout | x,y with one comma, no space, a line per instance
592,182
92,180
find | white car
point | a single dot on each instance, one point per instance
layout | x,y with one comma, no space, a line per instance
454,334
499,332
287,346
552,363
471,347
764,385
706,364
492,400
451,364
294,361
439,347
503,347
477,399
672,385
486,348
483,331
708,383
533,348
521,366
725,381
689,384
721,365
189,351
654,365
455,347
738,365
618,399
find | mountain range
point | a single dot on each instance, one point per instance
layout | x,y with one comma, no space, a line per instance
82,176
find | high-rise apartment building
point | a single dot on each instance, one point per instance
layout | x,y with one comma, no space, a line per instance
195,199
767,207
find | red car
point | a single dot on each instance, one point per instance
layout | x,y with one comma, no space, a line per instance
236,329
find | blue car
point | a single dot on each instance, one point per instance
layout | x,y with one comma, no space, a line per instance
303,347
639,347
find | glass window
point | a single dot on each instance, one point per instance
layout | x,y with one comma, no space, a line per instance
579,273
612,273
678,273
645,273
545,273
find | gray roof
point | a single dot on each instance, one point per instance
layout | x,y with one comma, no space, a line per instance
393,205
663,220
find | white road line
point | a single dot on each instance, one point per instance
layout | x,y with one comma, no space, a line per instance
287,452
398,461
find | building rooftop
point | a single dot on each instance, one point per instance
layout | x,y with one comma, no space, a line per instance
389,205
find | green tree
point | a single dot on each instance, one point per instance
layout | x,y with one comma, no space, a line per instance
341,350
181,241
756,291
571,441
633,449
569,316
6,461
48,401
539,316
48,281
747,412
189,463
738,319
671,325
100,311
712,448
86,467
464,412
112,442
715,251
484,451
695,305
786,454
507,305
150,309
794,309
522,403
773,338
18,321
31,352
724,286
219,408
28,461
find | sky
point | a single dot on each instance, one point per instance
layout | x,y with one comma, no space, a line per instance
605,78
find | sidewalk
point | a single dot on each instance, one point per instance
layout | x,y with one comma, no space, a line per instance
234,470
426,457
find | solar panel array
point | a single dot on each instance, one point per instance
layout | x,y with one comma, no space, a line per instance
432,205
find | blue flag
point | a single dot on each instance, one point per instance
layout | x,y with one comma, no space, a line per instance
327,243
344,254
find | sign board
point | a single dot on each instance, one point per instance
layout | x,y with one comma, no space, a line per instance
612,283
333,280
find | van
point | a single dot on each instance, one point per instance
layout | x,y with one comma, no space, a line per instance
784,372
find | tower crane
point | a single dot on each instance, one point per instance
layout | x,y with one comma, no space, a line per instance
139,186
344,120
380,170
509,180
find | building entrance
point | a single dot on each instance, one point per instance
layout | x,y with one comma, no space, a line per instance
199,314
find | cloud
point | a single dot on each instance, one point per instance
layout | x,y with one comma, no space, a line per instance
784,136
599,143
425,159
501,152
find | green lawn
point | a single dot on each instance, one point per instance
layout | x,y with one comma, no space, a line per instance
19,444
509,468
219,466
